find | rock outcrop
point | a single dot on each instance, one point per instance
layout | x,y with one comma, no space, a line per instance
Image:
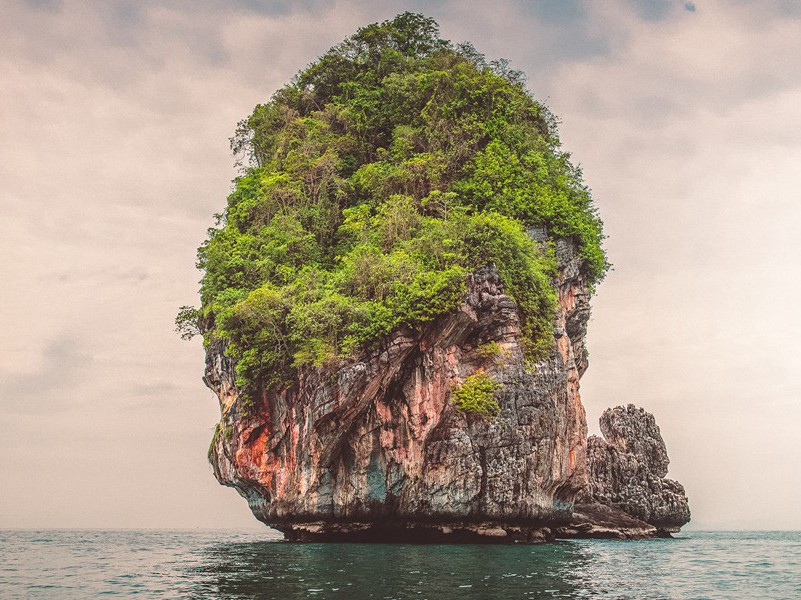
627,469
374,449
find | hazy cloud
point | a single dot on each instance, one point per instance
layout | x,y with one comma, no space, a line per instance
44,4
654,10
114,124
53,382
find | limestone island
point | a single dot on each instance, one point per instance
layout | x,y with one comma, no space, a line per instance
394,307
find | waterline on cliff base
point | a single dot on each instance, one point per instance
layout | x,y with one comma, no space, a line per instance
214,564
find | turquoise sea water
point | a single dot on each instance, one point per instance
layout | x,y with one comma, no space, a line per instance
214,564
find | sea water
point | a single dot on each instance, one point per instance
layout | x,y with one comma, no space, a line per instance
224,564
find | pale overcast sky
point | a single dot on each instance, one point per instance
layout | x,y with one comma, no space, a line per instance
114,125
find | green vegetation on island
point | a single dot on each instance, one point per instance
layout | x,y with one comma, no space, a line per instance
375,183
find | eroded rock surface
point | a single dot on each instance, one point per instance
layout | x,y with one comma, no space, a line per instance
376,443
374,449
627,469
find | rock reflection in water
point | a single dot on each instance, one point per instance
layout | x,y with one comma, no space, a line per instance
280,570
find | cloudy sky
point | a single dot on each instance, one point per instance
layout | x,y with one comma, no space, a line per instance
114,125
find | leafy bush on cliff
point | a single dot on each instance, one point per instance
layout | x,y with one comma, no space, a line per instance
376,181
476,395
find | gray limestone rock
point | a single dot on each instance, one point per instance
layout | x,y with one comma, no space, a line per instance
627,470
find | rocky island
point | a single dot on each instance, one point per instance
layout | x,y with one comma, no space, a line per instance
394,309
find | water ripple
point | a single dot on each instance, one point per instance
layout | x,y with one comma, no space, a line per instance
202,564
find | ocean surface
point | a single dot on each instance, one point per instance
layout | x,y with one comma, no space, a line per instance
224,564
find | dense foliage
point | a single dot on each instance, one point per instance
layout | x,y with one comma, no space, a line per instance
375,183
476,394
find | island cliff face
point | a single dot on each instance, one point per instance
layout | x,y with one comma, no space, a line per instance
394,306
374,449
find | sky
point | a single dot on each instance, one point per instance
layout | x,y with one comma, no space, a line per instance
114,124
